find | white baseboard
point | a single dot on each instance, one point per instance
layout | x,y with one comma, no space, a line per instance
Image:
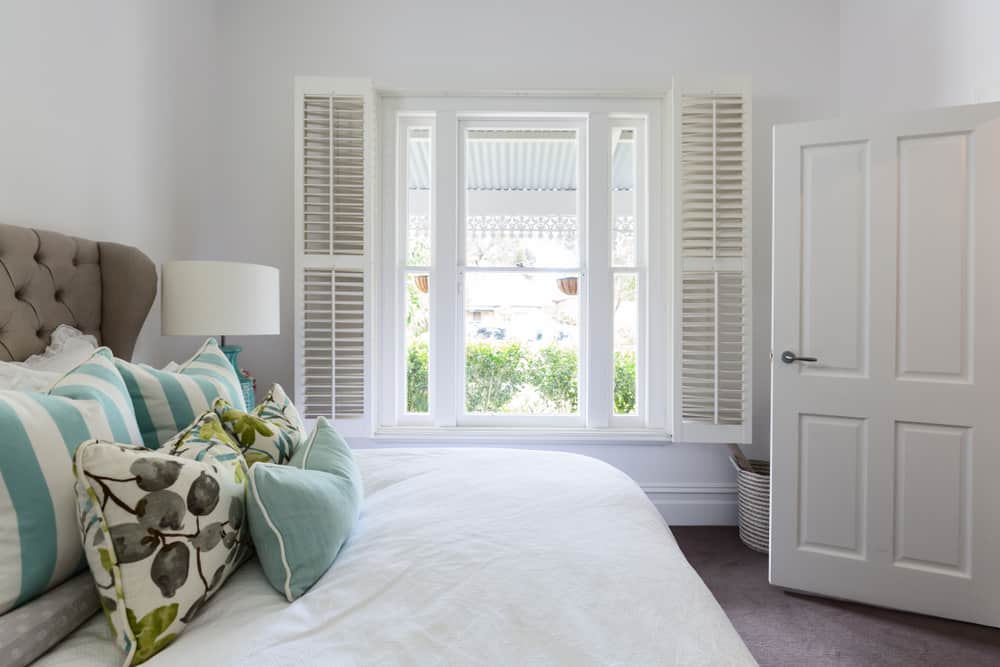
695,504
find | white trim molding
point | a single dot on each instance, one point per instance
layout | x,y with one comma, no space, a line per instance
694,503
521,437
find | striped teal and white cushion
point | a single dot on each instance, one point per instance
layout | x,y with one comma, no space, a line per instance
39,541
166,402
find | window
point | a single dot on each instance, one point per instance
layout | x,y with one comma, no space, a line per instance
415,204
524,261
626,152
520,258
521,183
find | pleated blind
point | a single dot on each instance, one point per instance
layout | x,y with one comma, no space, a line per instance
712,222
333,135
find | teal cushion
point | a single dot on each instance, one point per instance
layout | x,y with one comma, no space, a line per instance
40,546
325,450
301,514
166,402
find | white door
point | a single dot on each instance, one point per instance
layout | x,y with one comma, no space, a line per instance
885,450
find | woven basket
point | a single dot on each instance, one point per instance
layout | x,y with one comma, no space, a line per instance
753,491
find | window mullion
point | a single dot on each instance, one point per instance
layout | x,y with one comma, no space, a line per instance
391,353
445,302
597,276
653,232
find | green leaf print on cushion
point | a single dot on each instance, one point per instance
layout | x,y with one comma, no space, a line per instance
244,425
204,437
269,433
148,630
273,444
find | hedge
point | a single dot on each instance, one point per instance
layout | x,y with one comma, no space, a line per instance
496,373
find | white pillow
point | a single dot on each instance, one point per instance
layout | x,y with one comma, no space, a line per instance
68,349
16,377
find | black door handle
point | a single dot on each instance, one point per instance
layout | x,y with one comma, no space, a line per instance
790,357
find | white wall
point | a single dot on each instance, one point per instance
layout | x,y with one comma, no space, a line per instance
790,49
101,126
168,124
898,55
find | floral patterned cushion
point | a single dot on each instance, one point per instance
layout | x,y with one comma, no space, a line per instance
206,429
270,432
162,530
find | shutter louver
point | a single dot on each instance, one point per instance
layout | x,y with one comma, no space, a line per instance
317,174
348,175
333,136
333,175
712,175
317,343
712,348
712,219
349,343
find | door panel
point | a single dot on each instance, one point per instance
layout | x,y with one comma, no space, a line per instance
885,453
934,226
835,250
832,460
932,498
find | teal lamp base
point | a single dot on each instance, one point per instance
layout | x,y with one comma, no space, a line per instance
232,353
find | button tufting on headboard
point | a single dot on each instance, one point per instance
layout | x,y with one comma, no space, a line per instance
48,279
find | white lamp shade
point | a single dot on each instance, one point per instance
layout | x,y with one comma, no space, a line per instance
219,299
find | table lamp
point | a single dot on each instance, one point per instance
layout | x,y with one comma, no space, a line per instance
209,298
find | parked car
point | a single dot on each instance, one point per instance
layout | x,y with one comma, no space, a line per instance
495,333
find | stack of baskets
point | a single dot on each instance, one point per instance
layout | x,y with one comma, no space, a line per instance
753,490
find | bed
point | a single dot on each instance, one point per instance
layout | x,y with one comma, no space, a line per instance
461,556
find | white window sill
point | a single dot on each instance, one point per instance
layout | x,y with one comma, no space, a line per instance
500,435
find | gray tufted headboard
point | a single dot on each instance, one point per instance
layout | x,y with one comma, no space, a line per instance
48,279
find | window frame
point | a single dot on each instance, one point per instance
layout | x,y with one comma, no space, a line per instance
458,229
402,266
597,114
641,267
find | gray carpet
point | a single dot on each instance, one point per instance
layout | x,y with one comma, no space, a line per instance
790,629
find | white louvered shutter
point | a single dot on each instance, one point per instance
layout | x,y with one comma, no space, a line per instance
711,130
334,137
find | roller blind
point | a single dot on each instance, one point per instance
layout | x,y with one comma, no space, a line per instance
334,134
711,131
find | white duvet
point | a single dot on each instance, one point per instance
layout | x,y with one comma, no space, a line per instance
470,557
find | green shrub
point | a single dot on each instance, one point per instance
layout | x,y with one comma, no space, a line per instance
493,375
416,377
624,383
553,372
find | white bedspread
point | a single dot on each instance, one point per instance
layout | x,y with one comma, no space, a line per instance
469,557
